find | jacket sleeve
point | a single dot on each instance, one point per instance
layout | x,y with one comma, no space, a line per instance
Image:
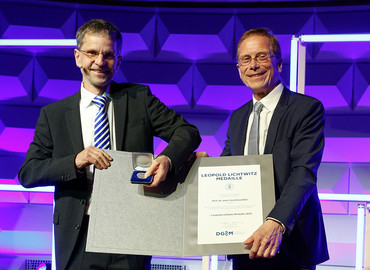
300,155
41,167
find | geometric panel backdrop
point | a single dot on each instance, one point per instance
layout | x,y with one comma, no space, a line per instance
187,57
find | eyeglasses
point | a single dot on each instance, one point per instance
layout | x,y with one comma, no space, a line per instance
93,55
259,58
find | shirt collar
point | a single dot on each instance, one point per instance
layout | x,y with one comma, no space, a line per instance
87,96
271,100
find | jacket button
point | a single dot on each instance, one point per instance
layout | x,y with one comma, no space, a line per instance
77,227
82,201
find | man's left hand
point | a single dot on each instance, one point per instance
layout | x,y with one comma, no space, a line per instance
158,169
265,241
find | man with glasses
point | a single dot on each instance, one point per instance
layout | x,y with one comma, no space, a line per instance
71,136
290,127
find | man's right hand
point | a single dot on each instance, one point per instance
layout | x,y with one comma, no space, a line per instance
92,155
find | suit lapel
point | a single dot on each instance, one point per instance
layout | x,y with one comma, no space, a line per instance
280,109
240,139
119,98
74,122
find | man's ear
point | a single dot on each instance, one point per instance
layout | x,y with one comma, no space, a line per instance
119,61
240,72
280,65
77,58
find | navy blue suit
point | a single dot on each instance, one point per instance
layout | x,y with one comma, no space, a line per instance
295,138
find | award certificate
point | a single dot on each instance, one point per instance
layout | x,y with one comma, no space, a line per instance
220,204
229,203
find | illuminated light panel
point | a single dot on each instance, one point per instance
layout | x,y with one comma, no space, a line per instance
344,197
293,64
39,42
335,38
5,187
214,262
317,38
360,236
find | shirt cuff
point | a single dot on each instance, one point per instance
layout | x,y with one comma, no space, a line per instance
278,221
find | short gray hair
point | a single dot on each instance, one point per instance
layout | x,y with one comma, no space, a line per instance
97,26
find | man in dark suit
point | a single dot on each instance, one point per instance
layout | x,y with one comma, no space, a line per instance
63,154
290,127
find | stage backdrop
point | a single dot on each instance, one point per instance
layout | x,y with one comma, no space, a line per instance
187,57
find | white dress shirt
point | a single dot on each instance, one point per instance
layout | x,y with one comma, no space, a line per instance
88,111
269,104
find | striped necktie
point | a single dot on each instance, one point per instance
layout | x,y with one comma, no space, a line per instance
101,124
253,143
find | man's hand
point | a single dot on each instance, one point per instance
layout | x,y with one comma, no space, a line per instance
92,155
266,240
195,155
201,154
158,169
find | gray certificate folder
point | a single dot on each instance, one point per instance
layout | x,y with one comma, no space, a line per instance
124,219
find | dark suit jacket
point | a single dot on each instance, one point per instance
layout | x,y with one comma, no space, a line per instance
58,139
295,138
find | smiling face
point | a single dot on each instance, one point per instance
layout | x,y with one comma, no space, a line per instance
97,73
261,78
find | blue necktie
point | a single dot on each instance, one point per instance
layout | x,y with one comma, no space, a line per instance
101,124
253,142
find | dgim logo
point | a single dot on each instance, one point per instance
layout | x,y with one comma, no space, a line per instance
225,233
